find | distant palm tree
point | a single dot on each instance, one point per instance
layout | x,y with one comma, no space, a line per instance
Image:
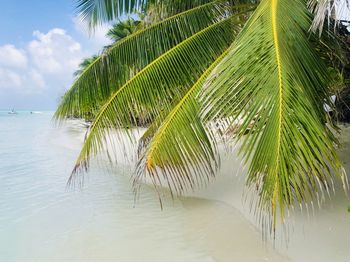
123,29
118,31
85,64
247,66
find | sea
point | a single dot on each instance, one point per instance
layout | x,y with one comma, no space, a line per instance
43,220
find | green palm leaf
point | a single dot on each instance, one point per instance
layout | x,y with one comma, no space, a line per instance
180,150
158,85
96,12
270,80
274,82
123,29
120,62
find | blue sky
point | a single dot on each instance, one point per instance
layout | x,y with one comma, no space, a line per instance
41,44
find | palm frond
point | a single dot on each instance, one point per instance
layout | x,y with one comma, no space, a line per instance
180,151
84,64
97,12
125,58
123,29
100,11
273,81
158,85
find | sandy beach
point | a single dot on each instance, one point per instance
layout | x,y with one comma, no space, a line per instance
320,234
313,234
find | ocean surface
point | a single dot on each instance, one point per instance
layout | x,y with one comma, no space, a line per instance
41,220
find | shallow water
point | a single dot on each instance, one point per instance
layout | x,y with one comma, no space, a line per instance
319,234
40,220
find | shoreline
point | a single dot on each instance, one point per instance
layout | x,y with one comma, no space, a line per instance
305,239
327,226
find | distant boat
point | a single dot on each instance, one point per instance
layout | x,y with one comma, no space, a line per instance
12,112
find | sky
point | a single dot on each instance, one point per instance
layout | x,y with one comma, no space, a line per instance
41,45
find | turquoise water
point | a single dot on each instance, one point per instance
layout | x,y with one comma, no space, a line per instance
43,221
40,220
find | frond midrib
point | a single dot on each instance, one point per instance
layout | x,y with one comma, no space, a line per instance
105,106
122,88
169,119
274,4
157,24
134,35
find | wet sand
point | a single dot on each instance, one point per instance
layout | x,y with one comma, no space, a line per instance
322,234
231,231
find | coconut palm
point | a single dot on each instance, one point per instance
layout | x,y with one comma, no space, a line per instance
122,29
119,30
85,64
207,64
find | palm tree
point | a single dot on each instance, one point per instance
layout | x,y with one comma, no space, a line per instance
85,64
118,31
123,29
204,67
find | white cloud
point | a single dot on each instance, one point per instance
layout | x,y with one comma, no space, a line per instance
47,61
30,82
55,52
10,56
37,78
9,78
96,38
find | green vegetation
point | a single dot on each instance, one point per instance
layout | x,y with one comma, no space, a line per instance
123,29
202,71
85,64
